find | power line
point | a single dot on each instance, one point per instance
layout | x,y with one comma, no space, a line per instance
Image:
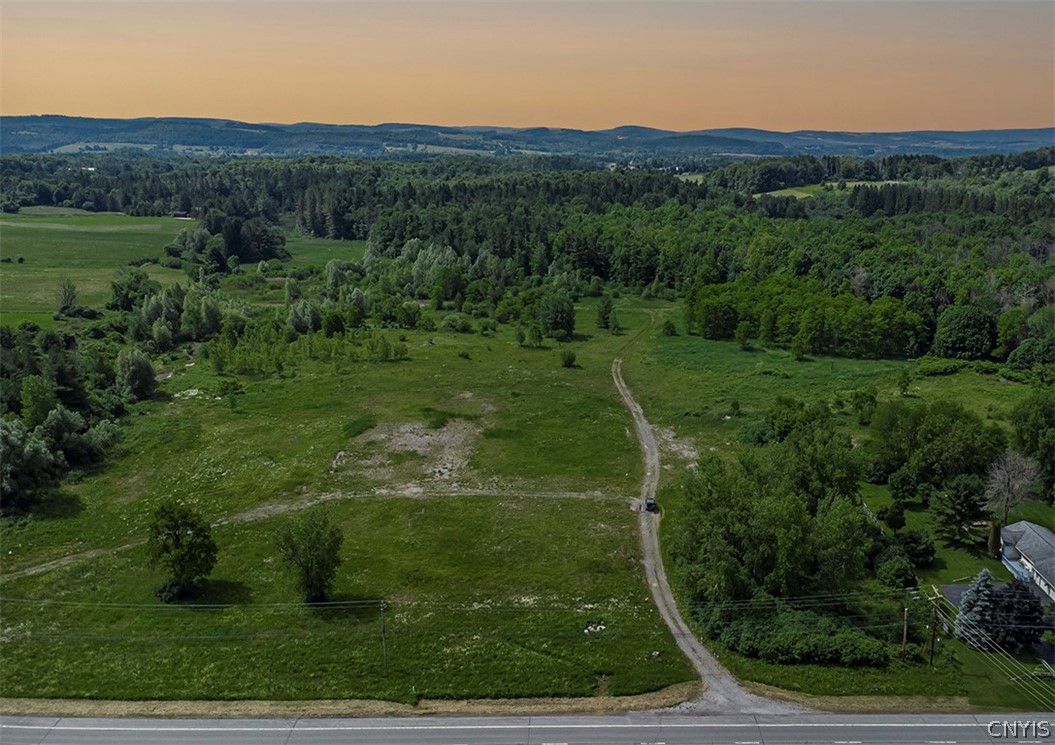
994,657
803,601
993,660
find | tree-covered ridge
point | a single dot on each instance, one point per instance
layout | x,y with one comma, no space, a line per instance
771,174
51,133
939,234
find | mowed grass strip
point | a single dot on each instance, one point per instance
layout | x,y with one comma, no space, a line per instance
306,251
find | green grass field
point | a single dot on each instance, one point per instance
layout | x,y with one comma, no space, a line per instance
482,488
812,190
496,537
799,192
317,251
84,246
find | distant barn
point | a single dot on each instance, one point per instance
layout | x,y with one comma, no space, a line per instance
181,215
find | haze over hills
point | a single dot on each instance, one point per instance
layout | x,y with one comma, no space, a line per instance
66,134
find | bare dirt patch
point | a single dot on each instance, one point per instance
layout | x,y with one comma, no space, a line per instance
884,704
410,452
679,447
48,566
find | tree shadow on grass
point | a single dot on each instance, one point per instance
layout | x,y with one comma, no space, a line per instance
938,564
346,607
58,503
218,592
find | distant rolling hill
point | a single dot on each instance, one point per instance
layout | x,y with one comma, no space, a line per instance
66,134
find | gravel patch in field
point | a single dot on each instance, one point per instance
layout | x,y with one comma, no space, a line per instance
436,455
681,447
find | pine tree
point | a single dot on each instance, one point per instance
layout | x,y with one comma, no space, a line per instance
1018,617
976,611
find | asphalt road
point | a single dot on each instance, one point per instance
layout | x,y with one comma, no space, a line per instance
627,729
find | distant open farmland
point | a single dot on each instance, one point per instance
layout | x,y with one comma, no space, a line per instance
83,246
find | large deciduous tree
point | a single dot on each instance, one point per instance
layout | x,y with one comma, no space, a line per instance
556,314
27,466
1034,423
135,374
965,332
180,540
38,398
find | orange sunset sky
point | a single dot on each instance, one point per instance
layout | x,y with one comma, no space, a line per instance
792,64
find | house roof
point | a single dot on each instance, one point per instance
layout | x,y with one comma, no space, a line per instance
1034,542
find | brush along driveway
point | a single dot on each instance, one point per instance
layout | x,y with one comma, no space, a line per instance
722,693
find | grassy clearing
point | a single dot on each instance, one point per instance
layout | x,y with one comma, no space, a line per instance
693,386
953,564
317,251
85,247
897,680
488,596
987,689
485,498
88,247
812,190
526,415
48,211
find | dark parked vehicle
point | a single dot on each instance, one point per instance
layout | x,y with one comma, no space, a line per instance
650,504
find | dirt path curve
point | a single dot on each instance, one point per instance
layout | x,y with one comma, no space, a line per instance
721,694
64,561
273,509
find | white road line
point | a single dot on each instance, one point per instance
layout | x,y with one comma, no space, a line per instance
533,726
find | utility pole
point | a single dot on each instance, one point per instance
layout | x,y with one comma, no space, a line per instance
933,629
904,634
384,638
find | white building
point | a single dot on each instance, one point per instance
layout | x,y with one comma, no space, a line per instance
1028,550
